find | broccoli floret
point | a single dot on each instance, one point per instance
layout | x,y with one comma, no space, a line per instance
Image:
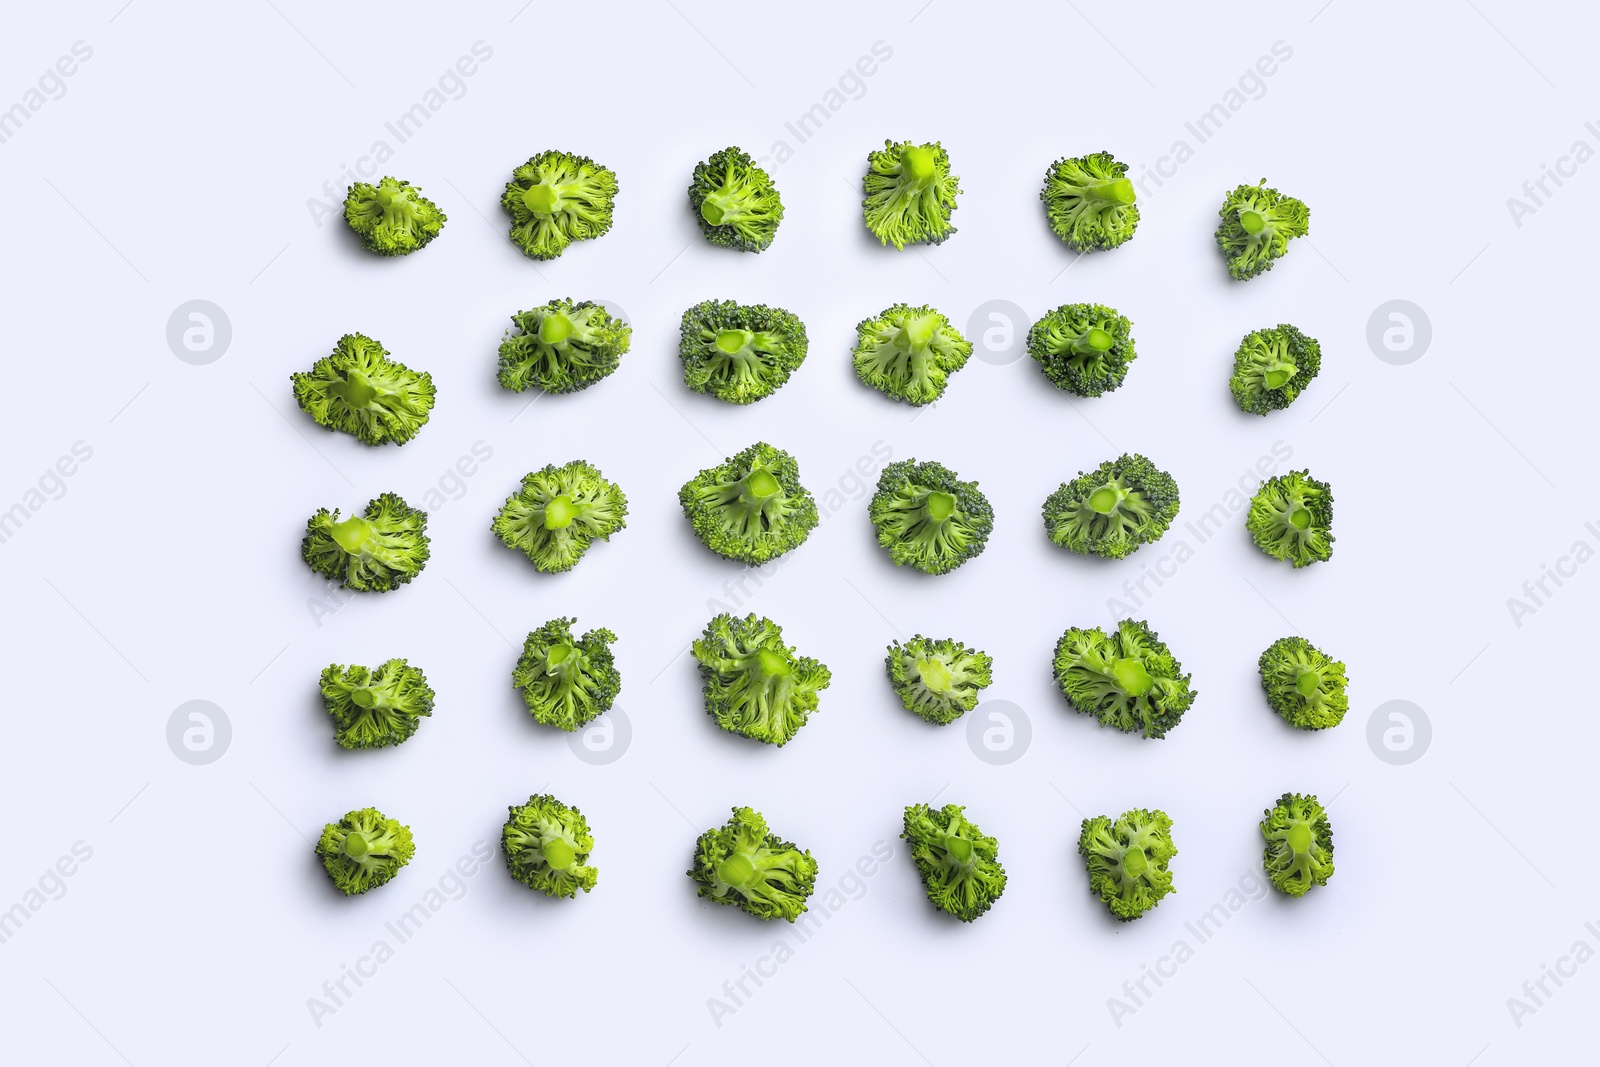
1303,684
1127,679
928,518
755,685
1083,348
1291,518
559,512
908,353
557,198
360,390
1090,202
736,202
938,678
381,549
546,845
1272,367
392,218
739,352
910,194
960,867
373,708
1110,511
745,865
562,347
1257,223
751,507
1127,860
364,849
1299,852
567,681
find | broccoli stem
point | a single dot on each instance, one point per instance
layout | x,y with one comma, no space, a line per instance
918,163
1131,677
559,513
1307,682
1278,375
736,870
772,665
731,342
1105,499
959,849
1135,862
1093,342
1117,191
556,326
760,486
354,389
1298,838
356,845
363,697
935,675
354,534
558,655
557,853
1253,222
541,199
916,334
1300,519
940,505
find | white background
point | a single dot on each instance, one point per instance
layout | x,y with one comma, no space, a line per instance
178,165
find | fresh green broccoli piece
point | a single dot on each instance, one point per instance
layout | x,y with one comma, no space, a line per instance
559,512
755,685
381,549
567,681
1257,223
928,518
1291,518
1127,860
938,678
546,845
1083,348
392,218
1299,852
373,708
745,865
1090,202
739,352
751,507
1124,503
562,347
736,202
364,849
908,353
910,194
1303,684
557,198
1127,679
1272,367
360,390
960,867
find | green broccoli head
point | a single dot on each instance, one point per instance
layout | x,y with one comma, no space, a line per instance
755,685
559,512
751,507
1090,202
1110,511
392,218
546,845
1272,367
1257,223
1127,679
1303,684
908,353
557,198
1127,860
1299,852
1083,348
736,202
938,678
739,352
960,867
746,866
1291,518
373,708
910,194
364,849
562,347
567,681
381,549
928,518
360,390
